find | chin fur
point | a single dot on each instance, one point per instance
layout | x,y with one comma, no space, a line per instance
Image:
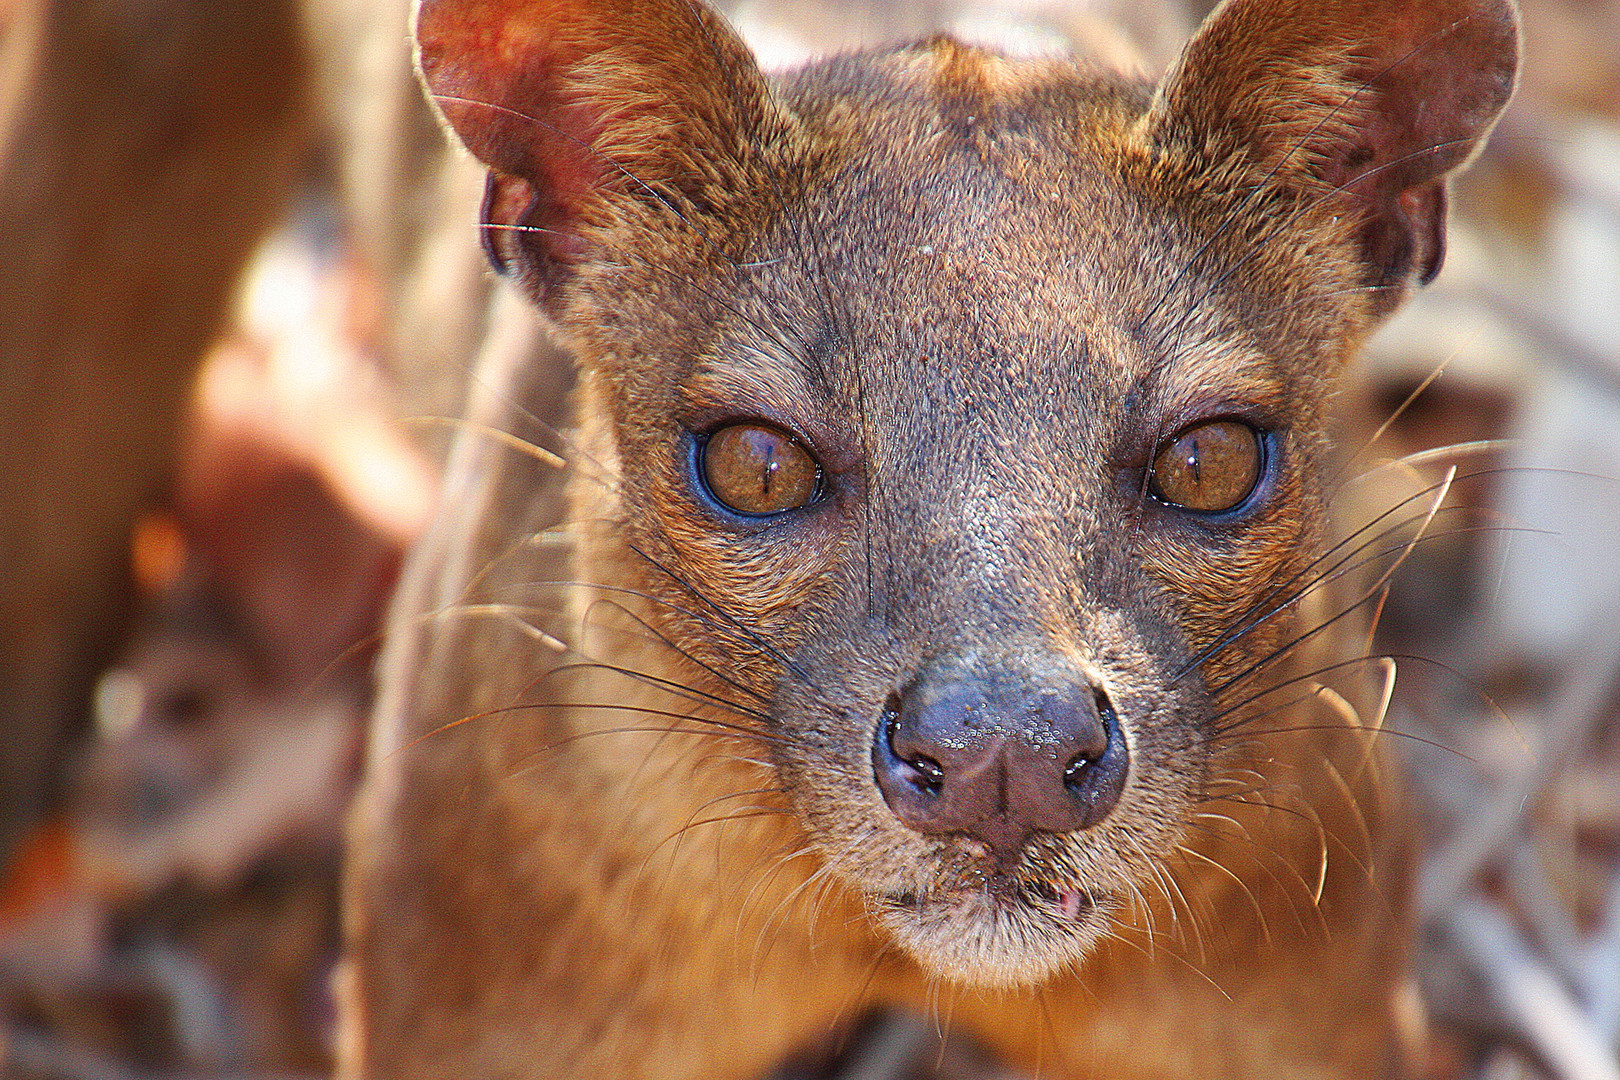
1015,935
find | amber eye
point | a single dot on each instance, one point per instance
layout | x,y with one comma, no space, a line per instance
756,469
1208,468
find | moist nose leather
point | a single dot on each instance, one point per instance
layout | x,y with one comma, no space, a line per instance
998,757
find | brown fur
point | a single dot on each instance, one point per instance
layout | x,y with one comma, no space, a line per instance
621,818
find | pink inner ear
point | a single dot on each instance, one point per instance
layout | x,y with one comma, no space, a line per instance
582,108
498,72
1374,162
1431,100
1378,98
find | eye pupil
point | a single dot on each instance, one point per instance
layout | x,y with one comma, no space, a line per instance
1208,468
753,468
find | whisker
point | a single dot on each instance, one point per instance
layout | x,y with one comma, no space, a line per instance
1393,733
744,814
734,630
1379,590
1254,902
494,434
1400,411
1284,650
661,636
679,690
751,637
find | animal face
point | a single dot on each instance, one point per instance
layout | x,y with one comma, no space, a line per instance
967,414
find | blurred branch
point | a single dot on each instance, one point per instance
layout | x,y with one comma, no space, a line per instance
1523,990
1575,715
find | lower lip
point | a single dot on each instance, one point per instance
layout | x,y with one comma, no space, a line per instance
1071,904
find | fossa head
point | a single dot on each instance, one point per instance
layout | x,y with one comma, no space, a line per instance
966,408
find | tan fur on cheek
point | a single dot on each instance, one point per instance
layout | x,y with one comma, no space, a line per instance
761,578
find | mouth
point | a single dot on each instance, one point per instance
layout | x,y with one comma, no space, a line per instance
1003,892
997,930
1068,902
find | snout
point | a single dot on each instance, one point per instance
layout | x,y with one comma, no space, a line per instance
999,753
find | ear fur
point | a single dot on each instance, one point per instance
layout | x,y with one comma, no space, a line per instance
588,112
1373,102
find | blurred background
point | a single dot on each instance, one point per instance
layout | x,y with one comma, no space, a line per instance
239,278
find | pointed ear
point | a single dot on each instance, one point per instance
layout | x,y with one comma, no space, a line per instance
591,114
1369,103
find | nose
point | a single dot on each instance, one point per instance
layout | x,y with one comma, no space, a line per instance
999,755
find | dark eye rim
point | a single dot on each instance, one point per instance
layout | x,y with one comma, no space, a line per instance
1265,439
698,442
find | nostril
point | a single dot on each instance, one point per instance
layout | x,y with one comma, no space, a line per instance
930,776
999,755
1075,772
1095,778
925,774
